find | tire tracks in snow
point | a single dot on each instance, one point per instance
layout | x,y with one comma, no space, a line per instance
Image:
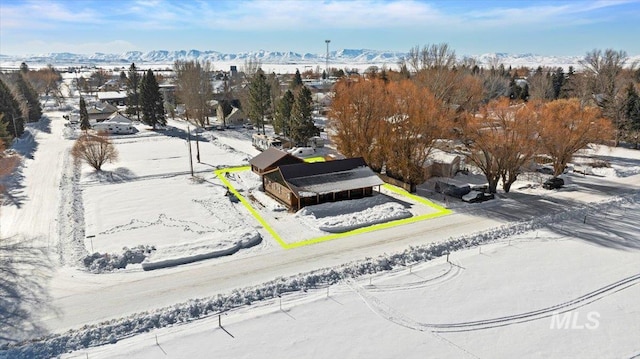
389,313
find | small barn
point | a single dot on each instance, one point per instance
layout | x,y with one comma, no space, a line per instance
270,159
304,184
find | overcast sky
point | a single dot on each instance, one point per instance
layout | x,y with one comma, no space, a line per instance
469,27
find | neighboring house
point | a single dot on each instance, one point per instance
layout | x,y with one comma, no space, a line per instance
111,85
100,112
229,113
303,184
115,124
270,159
116,98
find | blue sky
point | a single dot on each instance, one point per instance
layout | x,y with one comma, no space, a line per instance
469,27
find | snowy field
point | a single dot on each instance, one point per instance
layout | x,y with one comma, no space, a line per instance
497,300
391,292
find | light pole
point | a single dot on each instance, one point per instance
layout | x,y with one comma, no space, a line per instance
327,59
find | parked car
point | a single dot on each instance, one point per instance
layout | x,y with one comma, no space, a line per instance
220,128
477,196
248,126
553,183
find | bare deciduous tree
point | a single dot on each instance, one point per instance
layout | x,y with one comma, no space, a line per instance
603,71
500,141
193,89
95,150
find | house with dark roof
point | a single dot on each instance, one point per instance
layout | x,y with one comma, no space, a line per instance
303,184
101,111
270,159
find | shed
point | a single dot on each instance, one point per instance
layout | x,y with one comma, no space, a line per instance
270,159
304,184
441,164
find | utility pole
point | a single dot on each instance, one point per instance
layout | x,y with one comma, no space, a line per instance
327,59
189,143
15,129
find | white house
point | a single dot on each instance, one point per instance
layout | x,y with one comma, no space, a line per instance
115,124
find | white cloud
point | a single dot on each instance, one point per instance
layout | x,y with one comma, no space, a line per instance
110,47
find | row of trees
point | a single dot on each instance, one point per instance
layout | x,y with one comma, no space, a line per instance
394,119
144,98
291,112
19,103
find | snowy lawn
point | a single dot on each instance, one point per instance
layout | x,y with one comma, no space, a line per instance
147,198
498,301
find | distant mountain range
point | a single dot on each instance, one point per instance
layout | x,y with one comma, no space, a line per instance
336,58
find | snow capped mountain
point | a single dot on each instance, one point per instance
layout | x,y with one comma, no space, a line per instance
343,56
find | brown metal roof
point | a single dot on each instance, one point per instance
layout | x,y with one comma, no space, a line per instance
273,157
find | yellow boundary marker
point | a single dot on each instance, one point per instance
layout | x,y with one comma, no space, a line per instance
441,211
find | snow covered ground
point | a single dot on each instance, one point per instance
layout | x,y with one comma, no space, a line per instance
61,213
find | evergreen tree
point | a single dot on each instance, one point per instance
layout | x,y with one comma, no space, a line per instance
259,99
282,118
5,136
133,92
302,126
33,110
557,82
84,116
275,91
296,82
151,103
10,107
632,114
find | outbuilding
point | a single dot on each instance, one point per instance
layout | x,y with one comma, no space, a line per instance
270,159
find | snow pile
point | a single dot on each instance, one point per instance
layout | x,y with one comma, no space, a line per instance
220,244
104,262
114,330
343,216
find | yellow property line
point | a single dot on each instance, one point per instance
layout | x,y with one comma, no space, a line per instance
441,212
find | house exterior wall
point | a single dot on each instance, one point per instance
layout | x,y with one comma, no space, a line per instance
280,192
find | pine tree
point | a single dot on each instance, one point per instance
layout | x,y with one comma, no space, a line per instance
557,81
302,126
33,110
10,107
259,99
296,82
151,103
84,116
133,92
282,118
5,136
632,114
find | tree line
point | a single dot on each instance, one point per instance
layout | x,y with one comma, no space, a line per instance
19,100
502,118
